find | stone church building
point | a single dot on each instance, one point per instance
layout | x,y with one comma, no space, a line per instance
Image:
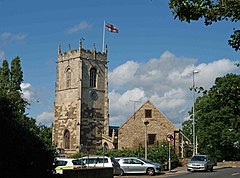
81,106
150,122
81,109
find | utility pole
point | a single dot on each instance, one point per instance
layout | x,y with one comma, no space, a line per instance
194,131
146,122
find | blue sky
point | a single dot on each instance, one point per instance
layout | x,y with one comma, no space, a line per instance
151,57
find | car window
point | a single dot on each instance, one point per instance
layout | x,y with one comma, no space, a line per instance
90,160
102,160
77,162
126,161
135,161
60,163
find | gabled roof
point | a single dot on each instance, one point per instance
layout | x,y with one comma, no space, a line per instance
153,106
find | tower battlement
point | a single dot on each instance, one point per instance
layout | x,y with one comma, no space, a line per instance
82,53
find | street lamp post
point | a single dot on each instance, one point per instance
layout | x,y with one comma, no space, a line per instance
194,131
146,122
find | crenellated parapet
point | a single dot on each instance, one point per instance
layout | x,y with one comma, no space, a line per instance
82,53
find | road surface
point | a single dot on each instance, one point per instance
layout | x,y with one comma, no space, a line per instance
217,173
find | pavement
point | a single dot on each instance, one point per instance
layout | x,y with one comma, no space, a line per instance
183,169
175,171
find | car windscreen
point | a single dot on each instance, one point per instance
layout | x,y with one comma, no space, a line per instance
146,161
199,158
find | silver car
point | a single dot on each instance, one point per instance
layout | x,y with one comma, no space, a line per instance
137,165
200,163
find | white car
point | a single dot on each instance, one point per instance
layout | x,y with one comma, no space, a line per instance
102,161
67,164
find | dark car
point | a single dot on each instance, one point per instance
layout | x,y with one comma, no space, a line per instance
200,163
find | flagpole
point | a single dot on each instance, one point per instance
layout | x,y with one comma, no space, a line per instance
103,36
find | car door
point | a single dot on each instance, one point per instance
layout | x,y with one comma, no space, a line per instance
125,165
137,166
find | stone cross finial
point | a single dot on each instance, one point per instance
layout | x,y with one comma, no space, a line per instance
106,49
94,51
81,43
59,49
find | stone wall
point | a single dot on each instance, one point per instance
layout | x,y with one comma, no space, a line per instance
132,133
229,164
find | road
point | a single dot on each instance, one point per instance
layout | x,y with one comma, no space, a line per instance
218,173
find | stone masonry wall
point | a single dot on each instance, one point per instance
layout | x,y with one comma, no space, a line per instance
132,133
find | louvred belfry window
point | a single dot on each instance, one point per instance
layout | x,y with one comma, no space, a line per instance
93,75
68,76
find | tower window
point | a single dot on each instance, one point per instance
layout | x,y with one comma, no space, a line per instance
93,75
148,113
68,76
67,139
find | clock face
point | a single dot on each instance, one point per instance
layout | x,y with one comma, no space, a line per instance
93,95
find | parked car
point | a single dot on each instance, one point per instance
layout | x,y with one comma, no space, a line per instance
138,165
200,163
67,164
102,161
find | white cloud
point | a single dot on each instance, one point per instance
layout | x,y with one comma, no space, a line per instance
2,55
45,118
7,36
81,26
26,90
123,74
165,81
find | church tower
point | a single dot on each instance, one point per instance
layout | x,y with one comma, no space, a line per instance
81,107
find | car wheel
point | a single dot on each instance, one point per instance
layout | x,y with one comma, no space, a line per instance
121,172
150,171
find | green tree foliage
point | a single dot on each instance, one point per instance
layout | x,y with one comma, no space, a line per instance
4,77
217,119
211,11
25,151
16,74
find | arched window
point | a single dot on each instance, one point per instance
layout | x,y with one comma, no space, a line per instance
105,145
66,139
68,77
93,75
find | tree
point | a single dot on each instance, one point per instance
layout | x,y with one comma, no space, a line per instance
217,119
16,74
4,77
211,11
25,150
